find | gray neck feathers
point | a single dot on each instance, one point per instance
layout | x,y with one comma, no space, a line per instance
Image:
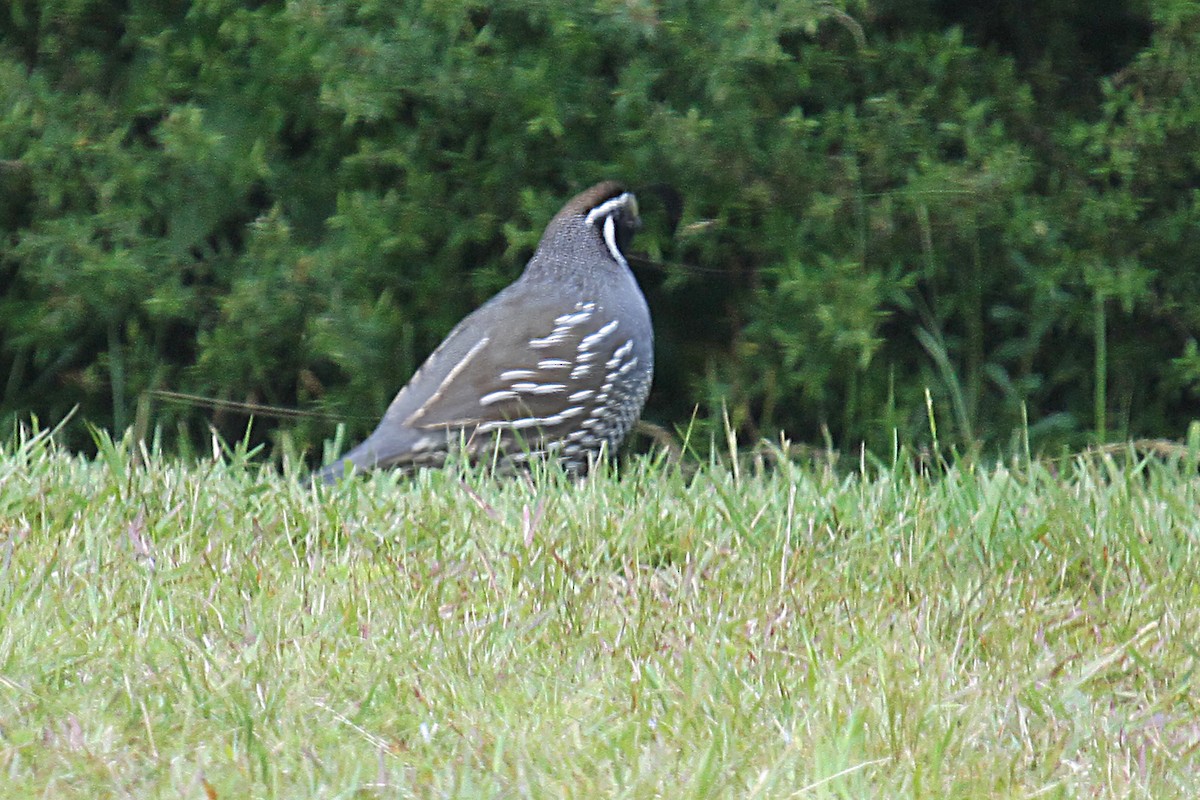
573,251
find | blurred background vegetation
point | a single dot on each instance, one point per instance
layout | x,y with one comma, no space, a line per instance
993,201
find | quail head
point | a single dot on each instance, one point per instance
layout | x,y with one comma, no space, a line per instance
555,366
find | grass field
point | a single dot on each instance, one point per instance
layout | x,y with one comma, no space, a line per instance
217,630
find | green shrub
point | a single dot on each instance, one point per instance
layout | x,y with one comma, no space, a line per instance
292,203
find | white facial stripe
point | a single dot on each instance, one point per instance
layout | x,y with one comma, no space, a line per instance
610,239
605,211
607,208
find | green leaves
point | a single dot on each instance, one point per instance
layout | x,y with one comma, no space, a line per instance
295,202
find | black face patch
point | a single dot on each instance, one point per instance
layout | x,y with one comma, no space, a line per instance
616,220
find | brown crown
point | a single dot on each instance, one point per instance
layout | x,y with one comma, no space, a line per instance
585,201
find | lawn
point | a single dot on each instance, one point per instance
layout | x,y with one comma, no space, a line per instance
215,629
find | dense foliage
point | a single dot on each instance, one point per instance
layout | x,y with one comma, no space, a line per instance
882,201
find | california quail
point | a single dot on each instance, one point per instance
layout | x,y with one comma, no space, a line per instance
557,365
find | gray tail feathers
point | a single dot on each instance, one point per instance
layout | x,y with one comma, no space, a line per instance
365,456
386,447
333,472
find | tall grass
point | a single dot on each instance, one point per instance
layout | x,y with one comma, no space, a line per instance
214,629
